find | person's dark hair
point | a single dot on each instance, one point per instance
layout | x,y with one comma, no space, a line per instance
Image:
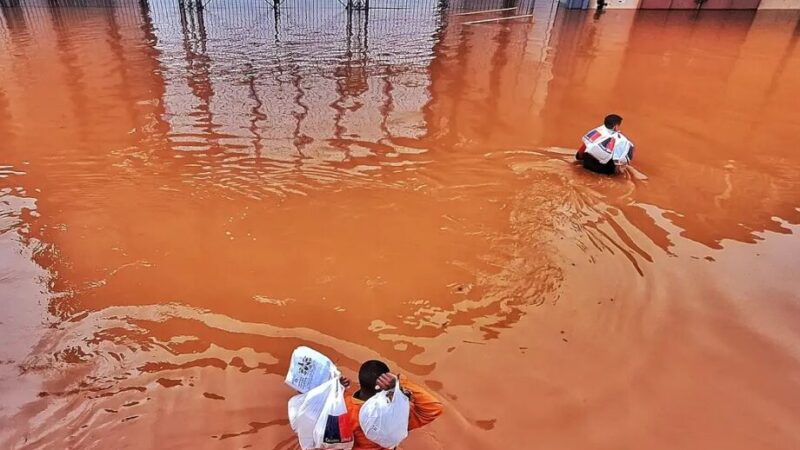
612,120
368,375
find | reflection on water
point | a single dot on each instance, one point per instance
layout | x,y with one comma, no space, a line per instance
187,194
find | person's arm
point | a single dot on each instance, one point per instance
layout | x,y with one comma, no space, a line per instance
425,407
581,151
346,383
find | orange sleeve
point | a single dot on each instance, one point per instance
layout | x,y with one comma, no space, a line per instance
424,406
353,408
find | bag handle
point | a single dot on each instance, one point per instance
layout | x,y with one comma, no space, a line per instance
391,391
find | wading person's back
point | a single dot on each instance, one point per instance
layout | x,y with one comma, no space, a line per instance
605,149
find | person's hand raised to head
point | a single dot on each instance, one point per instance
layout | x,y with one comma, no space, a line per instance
344,381
385,382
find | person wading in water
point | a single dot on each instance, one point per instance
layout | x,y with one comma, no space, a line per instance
604,149
374,376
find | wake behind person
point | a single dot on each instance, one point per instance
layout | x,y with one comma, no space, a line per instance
605,149
374,376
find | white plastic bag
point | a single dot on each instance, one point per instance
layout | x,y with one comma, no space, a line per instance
384,417
622,153
605,144
320,419
309,369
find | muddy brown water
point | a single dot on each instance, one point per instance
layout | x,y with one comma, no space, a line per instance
183,202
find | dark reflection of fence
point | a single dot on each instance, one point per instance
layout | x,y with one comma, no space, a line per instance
307,88
307,10
43,13
312,67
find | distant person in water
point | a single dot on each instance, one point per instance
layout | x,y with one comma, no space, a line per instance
375,376
604,149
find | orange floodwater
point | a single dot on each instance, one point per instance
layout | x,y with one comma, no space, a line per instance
185,201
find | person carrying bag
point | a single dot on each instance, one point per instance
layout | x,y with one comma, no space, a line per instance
319,413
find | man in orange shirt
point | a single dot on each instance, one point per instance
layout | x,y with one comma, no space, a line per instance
375,376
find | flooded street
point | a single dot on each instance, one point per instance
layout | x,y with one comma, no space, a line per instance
185,197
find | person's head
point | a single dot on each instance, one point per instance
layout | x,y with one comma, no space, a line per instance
613,122
368,376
